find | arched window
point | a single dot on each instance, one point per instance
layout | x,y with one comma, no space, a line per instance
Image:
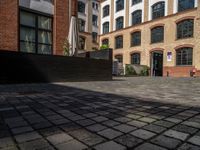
106,10
119,42
185,4
105,27
135,58
185,29
136,38
81,43
136,17
184,56
119,23
158,10
119,5
105,42
157,34
81,7
119,58
134,2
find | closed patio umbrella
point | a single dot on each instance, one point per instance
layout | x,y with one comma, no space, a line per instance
73,37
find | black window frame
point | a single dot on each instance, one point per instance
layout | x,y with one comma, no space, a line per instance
94,37
136,38
184,56
119,5
136,17
81,7
119,23
185,29
81,25
135,58
106,10
36,29
106,27
81,40
119,42
95,20
157,34
185,5
158,12
134,2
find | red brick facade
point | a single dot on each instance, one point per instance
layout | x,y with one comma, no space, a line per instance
183,71
9,25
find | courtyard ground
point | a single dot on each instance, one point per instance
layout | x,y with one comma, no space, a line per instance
139,113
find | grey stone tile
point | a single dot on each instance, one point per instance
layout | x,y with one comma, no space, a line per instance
167,142
149,146
109,146
123,119
136,123
36,144
176,134
188,146
93,140
174,120
185,129
165,124
27,137
85,122
99,119
125,128
50,131
96,127
154,128
6,142
128,140
110,133
195,140
71,145
133,116
147,119
81,134
21,130
59,138
143,134
192,124
111,123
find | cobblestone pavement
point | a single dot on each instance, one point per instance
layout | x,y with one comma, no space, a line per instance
59,116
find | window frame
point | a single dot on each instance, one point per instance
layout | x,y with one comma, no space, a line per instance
188,54
184,9
137,41
36,29
180,28
138,15
103,42
106,24
80,2
158,12
106,12
135,2
158,38
119,25
136,58
119,42
121,4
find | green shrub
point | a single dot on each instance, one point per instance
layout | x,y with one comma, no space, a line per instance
145,71
104,47
130,70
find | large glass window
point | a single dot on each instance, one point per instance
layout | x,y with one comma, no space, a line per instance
119,58
105,42
95,20
35,33
105,27
119,42
185,4
135,58
119,5
185,29
106,11
81,43
94,37
81,7
136,17
136,38
184,56
119,23
157,34
136,2
158,10
81,25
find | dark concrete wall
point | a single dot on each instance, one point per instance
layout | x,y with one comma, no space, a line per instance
18,67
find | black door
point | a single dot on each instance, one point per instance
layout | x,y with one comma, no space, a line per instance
157,64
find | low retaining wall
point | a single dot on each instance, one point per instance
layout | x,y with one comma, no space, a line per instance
18,67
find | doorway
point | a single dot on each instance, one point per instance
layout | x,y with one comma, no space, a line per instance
157,63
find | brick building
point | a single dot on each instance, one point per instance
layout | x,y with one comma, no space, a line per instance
161,34
35,26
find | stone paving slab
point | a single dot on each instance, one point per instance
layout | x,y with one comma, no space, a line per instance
59,117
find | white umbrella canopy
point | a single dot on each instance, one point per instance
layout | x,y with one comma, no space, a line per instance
73,37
